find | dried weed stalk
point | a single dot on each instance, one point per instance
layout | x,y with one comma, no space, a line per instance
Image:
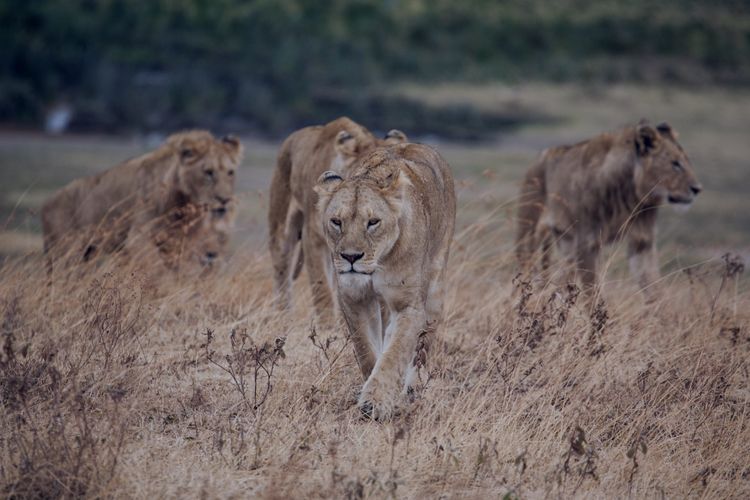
248,365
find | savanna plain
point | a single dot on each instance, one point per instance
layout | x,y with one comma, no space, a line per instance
125,380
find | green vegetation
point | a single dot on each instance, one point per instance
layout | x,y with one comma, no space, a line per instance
272,65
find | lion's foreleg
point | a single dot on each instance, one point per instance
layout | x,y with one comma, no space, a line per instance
282,253
363,319
567,249
643,263
381,392
547,241
587,256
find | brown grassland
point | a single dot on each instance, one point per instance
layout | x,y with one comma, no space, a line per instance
124,381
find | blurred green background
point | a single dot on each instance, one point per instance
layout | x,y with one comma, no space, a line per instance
271,66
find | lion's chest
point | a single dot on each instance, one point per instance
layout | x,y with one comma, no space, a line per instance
397,292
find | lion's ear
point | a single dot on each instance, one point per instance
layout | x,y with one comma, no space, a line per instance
395,136
234,147
345,144
327,182
666,130
646,139
189,147
188,153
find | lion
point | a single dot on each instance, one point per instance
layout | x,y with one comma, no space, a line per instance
594,193
113,209
388,229
194,235
303,156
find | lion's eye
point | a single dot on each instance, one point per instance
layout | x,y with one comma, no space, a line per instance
336,223
209,173
372,223
677,166
231,173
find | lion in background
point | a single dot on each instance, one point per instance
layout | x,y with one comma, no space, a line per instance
194,236
584,196
388,229
117,208
303,156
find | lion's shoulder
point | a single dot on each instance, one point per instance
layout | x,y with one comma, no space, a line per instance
586,155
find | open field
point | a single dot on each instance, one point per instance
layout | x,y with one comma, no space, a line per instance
124,382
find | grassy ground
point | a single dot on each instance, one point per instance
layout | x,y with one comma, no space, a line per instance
123,382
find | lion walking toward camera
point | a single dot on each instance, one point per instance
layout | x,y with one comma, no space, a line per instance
594,193
388,229
303,156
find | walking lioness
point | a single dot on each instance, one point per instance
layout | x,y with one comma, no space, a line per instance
303,156
388,227
597,191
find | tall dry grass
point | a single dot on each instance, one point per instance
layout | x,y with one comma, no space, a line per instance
123,381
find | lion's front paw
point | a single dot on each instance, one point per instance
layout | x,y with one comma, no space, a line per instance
378,402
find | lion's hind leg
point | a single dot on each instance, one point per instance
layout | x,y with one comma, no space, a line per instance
433,317
282,255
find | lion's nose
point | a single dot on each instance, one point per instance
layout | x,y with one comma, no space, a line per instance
352,257
222,199
696,188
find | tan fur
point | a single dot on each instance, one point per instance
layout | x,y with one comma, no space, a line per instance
194,234
593,193
388,228
303,156
112,209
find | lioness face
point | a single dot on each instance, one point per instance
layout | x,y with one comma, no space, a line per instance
207,169
210,236
195,234
664,170
360,223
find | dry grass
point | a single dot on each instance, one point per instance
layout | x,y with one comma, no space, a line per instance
120,384
124,381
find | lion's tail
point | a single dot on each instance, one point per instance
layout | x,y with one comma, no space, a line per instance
530,208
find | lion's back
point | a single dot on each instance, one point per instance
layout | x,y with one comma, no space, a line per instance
100,199
435,187
572,173
311,152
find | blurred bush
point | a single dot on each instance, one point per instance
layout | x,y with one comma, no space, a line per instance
274,65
